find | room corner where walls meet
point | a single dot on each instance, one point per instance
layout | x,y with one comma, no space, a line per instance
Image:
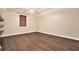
60,22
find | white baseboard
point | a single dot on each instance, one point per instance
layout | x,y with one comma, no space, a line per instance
43,32
16,34
60,35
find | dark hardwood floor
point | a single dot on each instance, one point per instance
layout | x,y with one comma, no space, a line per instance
38,42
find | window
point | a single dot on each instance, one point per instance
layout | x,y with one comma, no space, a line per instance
22,20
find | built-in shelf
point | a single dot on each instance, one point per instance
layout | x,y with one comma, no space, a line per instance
1,30
0,48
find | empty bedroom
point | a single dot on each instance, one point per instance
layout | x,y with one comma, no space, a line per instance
39,29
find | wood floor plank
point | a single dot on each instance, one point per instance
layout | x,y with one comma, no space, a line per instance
38,42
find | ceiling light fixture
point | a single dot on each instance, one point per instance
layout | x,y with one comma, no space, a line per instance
31,10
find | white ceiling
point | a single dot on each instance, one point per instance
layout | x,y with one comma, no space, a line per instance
36,10
27,10
24,10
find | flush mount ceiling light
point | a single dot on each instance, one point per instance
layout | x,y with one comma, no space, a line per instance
32,10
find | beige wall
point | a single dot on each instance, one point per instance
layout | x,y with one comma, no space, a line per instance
12,24
60,22
63,22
